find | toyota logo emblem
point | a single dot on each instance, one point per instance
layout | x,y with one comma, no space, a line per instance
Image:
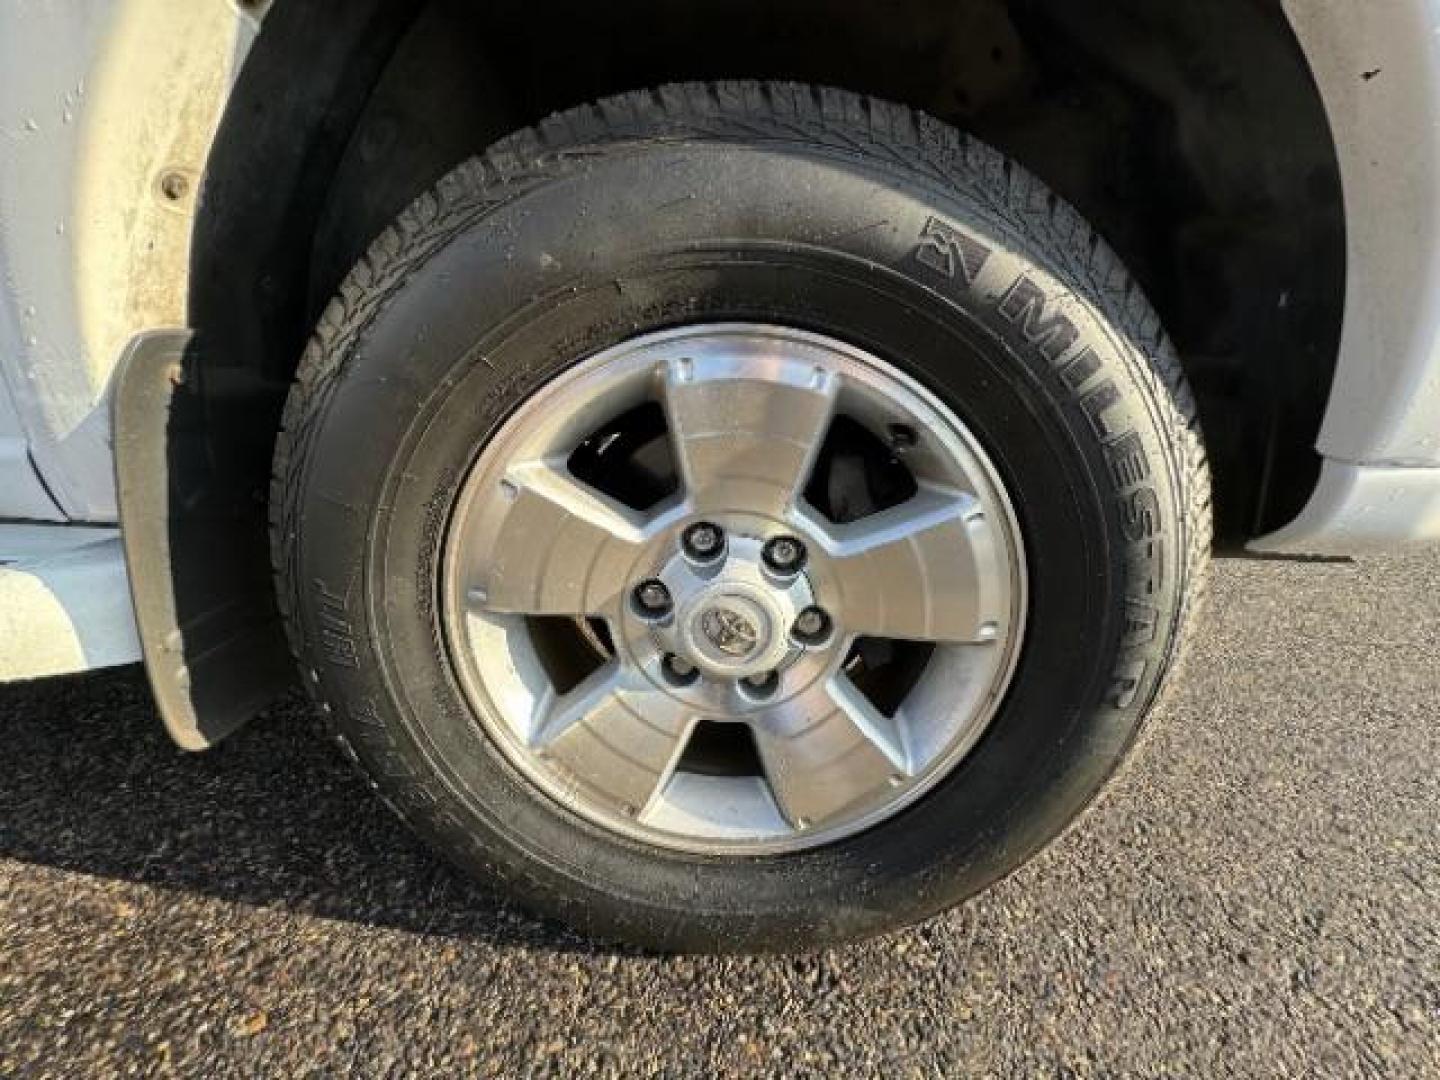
730,632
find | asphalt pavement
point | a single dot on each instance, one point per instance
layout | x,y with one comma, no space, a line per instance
1258,894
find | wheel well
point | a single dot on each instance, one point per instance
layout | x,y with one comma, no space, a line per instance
1192,136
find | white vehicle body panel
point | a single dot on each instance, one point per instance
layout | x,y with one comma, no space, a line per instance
1359,508
25,496
98,101
102,100
64,601
1378,68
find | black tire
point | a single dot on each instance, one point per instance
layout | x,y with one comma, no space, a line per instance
761,202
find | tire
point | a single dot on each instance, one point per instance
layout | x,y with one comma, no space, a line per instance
781,204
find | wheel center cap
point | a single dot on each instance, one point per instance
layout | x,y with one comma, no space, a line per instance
729,631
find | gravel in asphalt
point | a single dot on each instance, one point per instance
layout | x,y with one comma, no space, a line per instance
1258,894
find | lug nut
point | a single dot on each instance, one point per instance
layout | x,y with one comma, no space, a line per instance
703,540
679,669
652,598
784,554
812,625
762,683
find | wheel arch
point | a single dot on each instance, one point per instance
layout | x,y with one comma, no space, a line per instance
1198,144
307,164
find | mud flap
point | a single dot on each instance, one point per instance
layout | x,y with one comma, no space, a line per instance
196,550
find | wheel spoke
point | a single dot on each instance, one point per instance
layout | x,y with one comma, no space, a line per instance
562,548
916,571
746,431
827,750
614,736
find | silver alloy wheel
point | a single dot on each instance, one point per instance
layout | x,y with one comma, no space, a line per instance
753,624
